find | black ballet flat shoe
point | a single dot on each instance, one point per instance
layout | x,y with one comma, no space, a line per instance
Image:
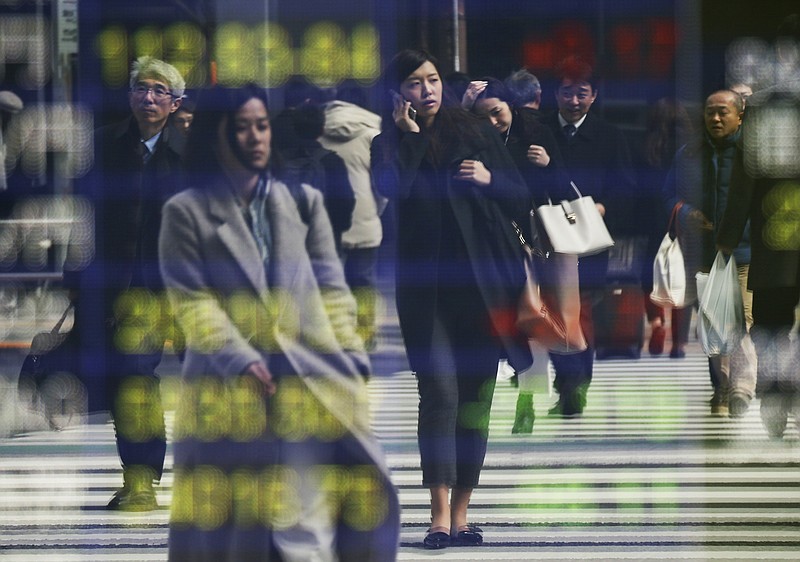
467,535
436,538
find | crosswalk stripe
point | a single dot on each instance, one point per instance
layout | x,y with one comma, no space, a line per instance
647,473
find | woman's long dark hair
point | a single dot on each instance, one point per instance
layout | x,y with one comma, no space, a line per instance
496,89
520,126
668,123
213,106
452,124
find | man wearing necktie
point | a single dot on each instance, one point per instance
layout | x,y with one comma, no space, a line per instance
120,312
598,161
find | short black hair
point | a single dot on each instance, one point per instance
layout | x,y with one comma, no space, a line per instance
577,69
457,82
298,90
188,105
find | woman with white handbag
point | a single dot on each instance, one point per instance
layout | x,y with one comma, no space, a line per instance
536,154
668,124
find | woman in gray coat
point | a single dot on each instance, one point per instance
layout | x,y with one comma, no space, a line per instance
274,457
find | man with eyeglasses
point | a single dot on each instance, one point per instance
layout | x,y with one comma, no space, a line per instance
597,159
121,316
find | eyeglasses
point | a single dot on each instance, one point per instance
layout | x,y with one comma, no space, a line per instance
160,93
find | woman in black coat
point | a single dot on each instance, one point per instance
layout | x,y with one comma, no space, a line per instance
459,275
532,145
535,152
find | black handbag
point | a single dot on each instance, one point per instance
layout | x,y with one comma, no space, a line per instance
48,380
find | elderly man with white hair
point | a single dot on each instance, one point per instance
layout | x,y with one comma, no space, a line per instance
120,317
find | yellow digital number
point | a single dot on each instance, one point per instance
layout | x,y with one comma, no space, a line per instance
324,56
185,48
235,56
147,41
111,46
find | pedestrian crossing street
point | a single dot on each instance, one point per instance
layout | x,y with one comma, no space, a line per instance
646,473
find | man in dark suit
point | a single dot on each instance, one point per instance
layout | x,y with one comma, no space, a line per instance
597,159
120,311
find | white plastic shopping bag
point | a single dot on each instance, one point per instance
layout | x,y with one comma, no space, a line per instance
720,319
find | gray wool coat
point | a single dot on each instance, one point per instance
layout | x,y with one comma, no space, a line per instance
233,312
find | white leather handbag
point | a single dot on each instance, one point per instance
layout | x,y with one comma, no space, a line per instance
574,227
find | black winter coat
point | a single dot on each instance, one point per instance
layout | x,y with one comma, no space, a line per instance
550,181
764,188
440,218
598,160
127,197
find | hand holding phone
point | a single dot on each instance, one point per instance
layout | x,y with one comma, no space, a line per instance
404,114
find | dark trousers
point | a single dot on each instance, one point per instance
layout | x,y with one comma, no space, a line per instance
359,266
680,323
773,308
455,377
135,399
128,387
124,383
652,310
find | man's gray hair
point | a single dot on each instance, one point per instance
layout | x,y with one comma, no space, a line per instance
524,87
145,68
